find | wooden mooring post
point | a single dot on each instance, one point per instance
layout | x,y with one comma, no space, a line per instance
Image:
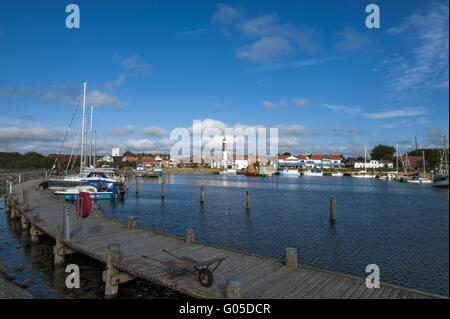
290,257
112,276
60,250
189,236
247,199
234,288
137,187
333,209
202,194
34,231
131,221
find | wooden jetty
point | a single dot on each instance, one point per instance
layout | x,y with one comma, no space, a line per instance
241,275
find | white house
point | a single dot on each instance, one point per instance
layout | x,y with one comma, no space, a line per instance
106,159
115,151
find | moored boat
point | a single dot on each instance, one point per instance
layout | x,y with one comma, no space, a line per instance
313,172
289,172
96,189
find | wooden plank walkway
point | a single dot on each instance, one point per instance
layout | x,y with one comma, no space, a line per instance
262,277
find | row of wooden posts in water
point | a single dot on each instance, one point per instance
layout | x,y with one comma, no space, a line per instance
247,199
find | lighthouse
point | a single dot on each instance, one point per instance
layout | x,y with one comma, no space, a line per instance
224,150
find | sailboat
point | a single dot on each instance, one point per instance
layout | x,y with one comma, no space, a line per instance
420,180
88,171
363,173
440,175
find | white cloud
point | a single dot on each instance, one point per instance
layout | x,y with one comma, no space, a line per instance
135,62
413,111
153,131
342,108
99,98
296,130
119,81
225,14
428,66
123,131
32,134
265,49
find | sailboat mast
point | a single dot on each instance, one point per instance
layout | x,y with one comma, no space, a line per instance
90,137
95,148
423,156
82,128
396,158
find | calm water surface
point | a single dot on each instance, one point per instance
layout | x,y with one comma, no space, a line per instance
403,228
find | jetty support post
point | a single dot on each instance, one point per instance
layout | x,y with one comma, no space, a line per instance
137,186
202,194
234,288
25,222
189,236
131,222
163,194
290,257
26,204
60,250
34,231
247,199
20,178
10,187
97,211
112,275
333,209
15,209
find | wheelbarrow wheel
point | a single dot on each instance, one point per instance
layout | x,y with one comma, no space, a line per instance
206,278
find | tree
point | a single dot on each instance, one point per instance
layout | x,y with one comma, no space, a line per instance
383,153
287,154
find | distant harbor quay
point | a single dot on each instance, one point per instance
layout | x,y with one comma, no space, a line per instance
183,194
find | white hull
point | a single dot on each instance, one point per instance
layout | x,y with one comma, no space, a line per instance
363,176
337,174
419,181
312,174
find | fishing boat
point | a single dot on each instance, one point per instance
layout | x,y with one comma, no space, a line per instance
252,172
289,172
97,189
313,172
158,171
440,175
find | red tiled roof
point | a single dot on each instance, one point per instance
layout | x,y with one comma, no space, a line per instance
334,156
317,157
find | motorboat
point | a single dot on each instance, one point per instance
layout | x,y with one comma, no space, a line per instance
139,171
313,172
228,172
97,189
289,172
337,174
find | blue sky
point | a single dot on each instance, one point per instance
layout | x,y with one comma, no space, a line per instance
310,68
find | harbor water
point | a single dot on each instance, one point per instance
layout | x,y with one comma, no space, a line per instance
402,228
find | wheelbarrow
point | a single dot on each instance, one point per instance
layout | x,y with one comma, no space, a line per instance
186,264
